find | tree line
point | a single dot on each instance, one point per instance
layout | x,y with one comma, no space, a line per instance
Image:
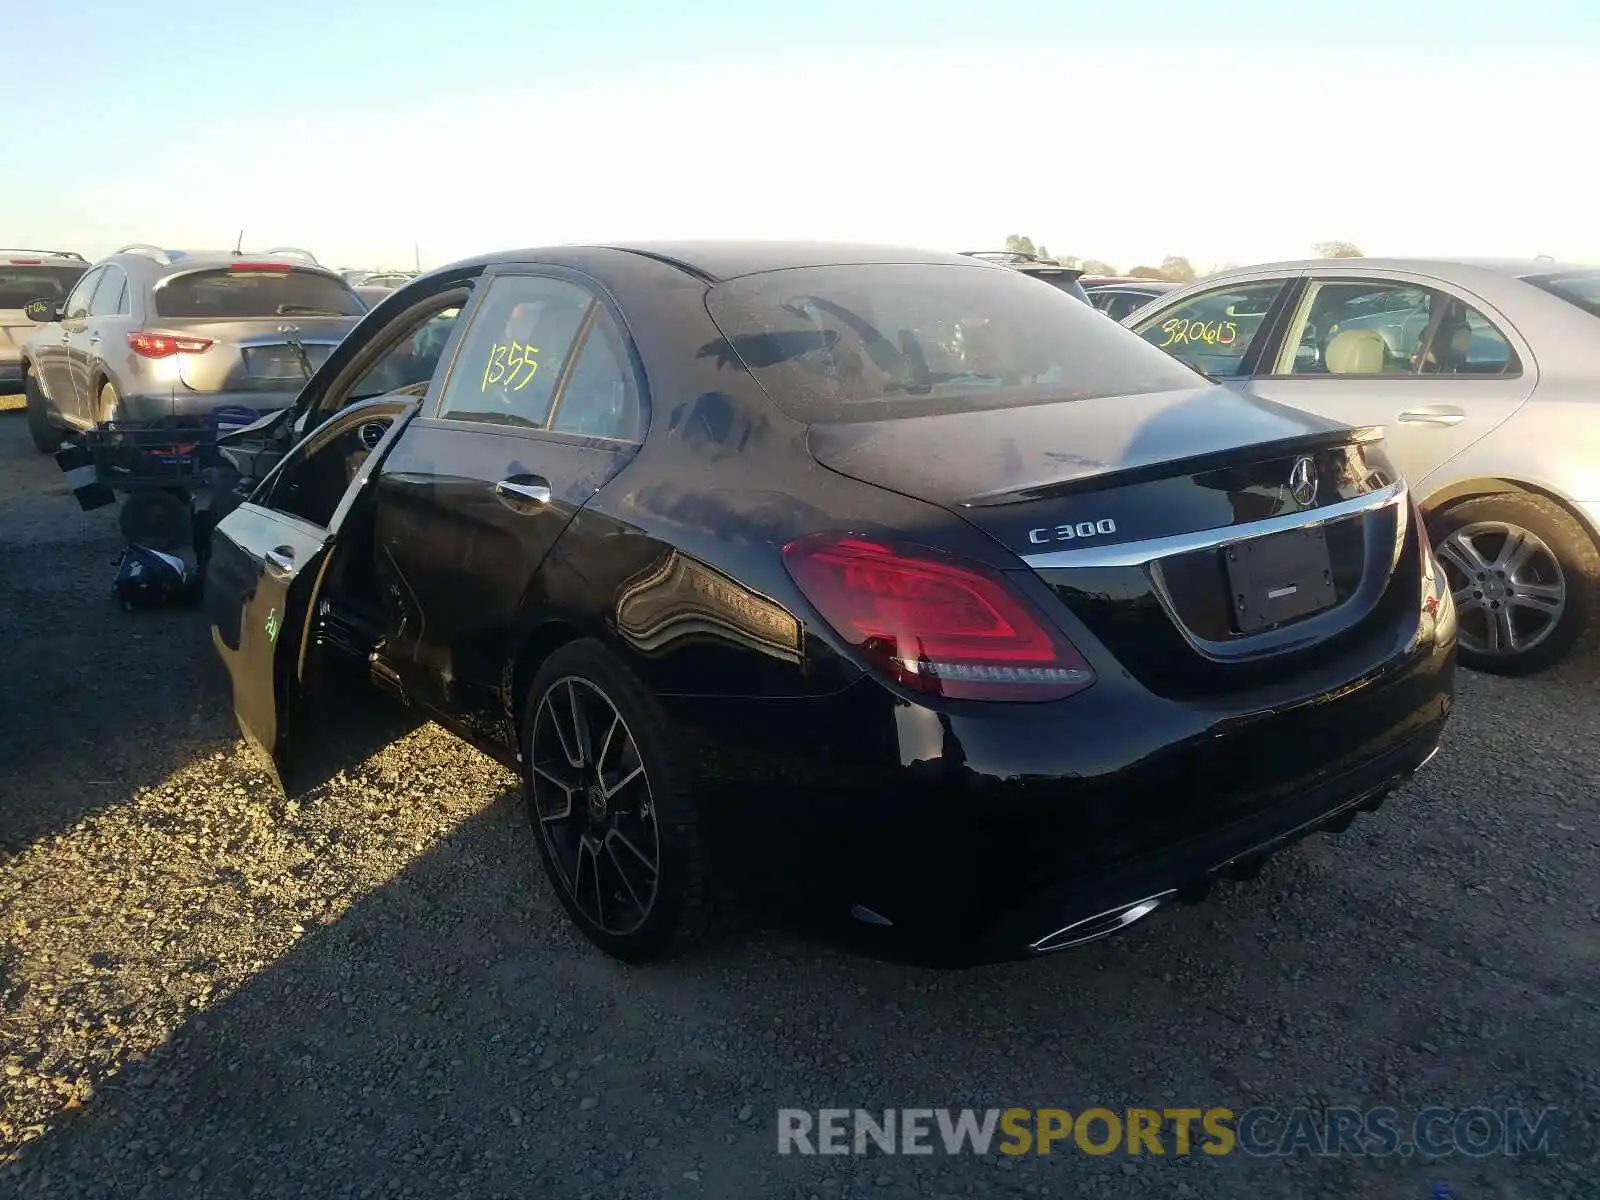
1174,267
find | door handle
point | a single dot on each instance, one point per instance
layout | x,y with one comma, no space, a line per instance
516,492
280,562
1432,416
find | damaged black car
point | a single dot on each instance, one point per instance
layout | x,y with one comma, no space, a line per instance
888,579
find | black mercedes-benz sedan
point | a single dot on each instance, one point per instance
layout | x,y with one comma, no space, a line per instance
890,579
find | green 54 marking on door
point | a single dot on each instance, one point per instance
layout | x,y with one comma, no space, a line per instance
272,626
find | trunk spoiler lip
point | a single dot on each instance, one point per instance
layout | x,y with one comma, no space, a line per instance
1143,473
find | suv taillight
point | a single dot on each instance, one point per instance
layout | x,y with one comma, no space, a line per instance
161,345
933,623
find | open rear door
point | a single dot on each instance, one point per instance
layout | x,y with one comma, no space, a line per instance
262,581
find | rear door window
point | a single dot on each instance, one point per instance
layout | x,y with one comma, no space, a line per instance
243,291
1213,332
1384,327
111,294
513,354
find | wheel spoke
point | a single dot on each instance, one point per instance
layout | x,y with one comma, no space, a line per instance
1465,600
621,871
605,743
622,839
566,741
1542,597
1514,551
1504,632
1470,558
1451,552
581,741
636,773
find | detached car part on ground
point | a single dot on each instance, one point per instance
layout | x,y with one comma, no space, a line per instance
153,352
1486,379
895,582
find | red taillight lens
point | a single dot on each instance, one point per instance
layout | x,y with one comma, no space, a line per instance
161,345
275,268
934,624
27,262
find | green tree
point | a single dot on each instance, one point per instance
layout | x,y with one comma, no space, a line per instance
1176,268
1337,250
1018,244
1098,266
1145,273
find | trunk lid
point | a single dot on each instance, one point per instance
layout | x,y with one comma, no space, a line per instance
253,355
1120,468
1124,507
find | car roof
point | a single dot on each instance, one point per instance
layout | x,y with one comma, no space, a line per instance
714,260
169,259
1515,268
41,258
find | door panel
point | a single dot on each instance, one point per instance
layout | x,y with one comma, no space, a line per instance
57,350
266,566
1386,336
465,518
258,585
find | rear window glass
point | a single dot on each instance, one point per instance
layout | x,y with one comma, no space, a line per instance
876,342
21,286
1580,287
229,294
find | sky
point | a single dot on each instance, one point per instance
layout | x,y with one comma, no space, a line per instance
1226,131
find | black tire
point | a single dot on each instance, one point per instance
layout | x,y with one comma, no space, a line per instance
46,437
679,909
1568,544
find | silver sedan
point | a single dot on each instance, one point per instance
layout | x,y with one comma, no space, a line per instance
1486,378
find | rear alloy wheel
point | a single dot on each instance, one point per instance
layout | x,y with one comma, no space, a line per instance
46,437
1523,574
619,837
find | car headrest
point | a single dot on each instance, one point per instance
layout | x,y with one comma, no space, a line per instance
1356,352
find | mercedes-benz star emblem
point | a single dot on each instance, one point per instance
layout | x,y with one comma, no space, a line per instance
1303,482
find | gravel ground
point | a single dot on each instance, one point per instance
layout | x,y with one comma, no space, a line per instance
209,990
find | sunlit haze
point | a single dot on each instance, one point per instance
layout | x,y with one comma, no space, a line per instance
1227,133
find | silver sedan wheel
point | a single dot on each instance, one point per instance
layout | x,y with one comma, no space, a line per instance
1507,584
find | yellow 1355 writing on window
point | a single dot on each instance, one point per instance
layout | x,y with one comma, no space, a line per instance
511,364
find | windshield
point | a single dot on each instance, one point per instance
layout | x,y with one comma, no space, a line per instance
874,342
234,293
20,286
1577,287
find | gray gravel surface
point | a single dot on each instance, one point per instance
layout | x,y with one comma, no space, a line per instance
210,990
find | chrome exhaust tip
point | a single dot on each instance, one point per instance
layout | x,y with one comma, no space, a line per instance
1101,925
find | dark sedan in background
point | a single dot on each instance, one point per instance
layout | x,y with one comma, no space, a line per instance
888,577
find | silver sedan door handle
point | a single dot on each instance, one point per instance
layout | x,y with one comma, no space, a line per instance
522,493
280,562
1432,416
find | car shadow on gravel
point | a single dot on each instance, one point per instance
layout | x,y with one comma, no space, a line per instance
450,1035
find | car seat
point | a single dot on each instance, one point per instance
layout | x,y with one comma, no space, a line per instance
1356,352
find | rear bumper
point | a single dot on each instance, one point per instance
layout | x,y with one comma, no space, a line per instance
179,405
167,440
979,831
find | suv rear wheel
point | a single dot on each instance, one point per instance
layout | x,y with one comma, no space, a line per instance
46,437
1524,576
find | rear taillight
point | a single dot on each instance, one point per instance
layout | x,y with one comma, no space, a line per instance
274,268
935,624
161,345
27,262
